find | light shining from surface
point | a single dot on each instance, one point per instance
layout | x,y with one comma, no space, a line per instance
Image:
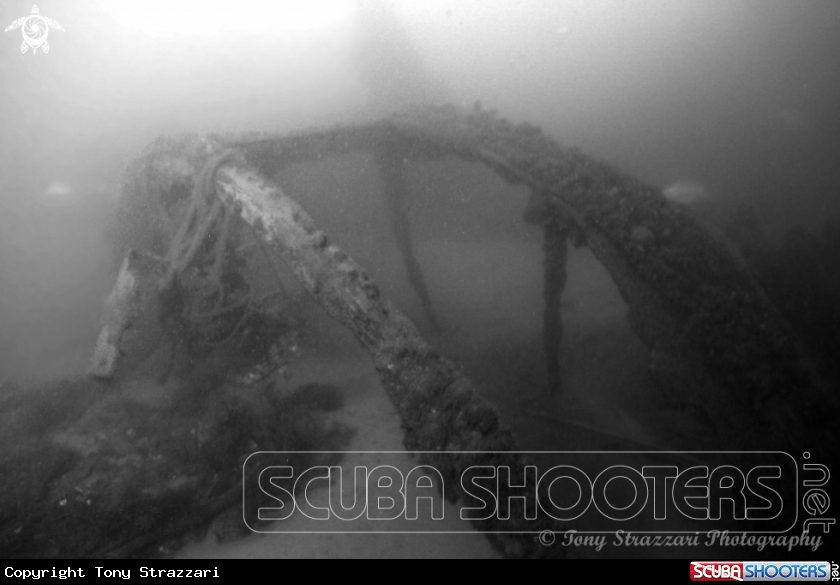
186,18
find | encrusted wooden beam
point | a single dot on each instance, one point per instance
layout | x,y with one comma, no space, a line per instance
439,408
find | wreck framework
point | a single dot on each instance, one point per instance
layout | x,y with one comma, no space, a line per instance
715,341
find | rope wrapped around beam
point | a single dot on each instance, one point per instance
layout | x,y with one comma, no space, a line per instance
439,408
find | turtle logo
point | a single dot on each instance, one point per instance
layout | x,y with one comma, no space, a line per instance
35,30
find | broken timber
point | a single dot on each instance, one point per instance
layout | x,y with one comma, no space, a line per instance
714,339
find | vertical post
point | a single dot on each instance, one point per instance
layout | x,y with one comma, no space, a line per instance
391,160
555,254
556,231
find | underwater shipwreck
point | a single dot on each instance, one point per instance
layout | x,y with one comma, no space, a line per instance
205,221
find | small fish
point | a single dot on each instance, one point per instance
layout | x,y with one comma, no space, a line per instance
59,190
688,193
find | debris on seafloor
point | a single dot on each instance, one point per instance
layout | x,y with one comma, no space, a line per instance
123,465
94,471
206,208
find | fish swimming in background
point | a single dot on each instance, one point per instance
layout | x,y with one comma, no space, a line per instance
80,196
696,200
59,190
688,193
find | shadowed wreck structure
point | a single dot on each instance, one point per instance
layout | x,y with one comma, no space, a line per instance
715,341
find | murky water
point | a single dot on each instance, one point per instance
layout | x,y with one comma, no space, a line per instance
729,108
